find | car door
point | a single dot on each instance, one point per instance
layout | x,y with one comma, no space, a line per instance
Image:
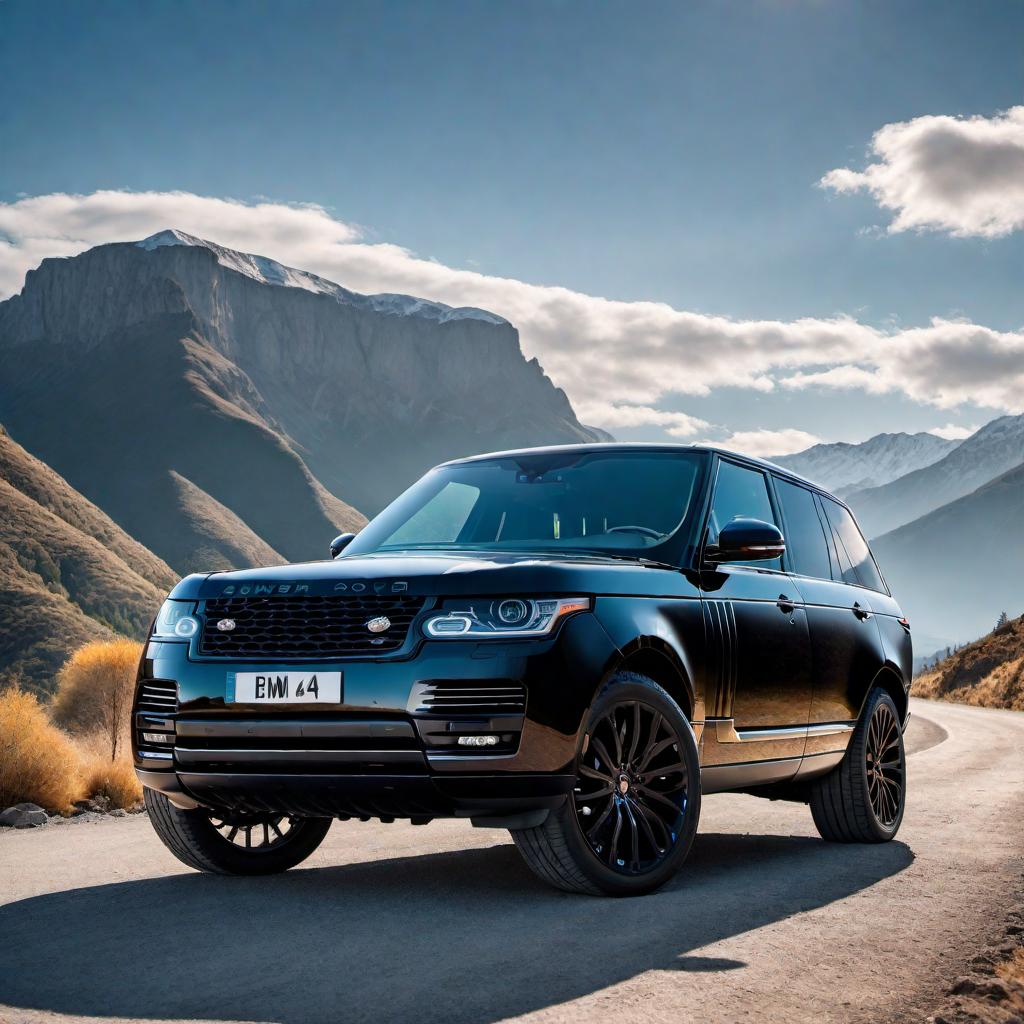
845,643
758,644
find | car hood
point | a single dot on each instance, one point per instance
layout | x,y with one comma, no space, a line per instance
435,574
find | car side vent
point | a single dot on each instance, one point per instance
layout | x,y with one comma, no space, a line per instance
157,695
156,702
479,697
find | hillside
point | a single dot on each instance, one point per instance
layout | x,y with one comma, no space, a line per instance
956,568
39,483
988,672
215,404
68,574
841,466
995,448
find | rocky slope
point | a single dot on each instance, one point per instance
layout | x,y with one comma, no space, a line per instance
956,568
214,403
68,574
871,463
988,672
992,450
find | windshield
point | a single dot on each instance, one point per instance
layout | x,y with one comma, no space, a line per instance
623,504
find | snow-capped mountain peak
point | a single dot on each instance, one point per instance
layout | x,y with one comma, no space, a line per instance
871,463
268,271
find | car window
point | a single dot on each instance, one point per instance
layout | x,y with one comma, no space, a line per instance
806,546
741,492
442,520
850,542
623,504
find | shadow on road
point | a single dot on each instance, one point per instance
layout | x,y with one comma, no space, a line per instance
462,936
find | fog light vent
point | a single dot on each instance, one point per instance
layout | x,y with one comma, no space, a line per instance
478,741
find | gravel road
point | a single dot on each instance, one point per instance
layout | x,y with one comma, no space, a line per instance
443,923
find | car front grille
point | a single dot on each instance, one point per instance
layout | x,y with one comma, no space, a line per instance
305,626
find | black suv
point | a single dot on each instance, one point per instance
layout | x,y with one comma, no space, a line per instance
571,643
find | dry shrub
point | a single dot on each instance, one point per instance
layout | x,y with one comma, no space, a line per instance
1013,969
1002,687
38,763
116,780
94,692
928,685
988,672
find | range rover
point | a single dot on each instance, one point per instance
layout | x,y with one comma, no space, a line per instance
575,644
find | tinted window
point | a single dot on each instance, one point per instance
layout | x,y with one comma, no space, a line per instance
850,541
440,520
623,503
806,547
741,492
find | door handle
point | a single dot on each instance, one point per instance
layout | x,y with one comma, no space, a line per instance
861,613
785,605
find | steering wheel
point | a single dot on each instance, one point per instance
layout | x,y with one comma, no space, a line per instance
645,530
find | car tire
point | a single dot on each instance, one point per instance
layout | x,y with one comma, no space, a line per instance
639,746
195,838
863,798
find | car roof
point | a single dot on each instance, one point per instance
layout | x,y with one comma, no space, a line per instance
652,446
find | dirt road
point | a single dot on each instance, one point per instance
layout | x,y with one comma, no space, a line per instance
443,923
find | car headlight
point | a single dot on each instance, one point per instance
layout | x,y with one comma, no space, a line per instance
495,618
176,621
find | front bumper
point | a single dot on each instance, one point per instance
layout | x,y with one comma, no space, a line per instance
385,751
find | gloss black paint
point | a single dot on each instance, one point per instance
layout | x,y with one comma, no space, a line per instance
740,649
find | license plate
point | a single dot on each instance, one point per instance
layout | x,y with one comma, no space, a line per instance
287,688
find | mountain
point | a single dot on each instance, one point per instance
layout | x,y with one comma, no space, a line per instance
988,672
990,451
955,569
214,403
68,574
878,460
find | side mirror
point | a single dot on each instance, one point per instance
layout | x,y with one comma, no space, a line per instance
746,540
341,542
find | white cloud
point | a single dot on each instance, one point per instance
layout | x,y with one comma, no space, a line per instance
610,416
616,360
963,175
946,364
954,432
767,443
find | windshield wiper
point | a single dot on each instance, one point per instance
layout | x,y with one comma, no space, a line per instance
621,556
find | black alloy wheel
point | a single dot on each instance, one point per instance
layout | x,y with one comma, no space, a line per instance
631,819
884,765
863,798
633,787
234,843
250,832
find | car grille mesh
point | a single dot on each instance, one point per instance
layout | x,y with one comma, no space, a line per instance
158,696
473,697
305,626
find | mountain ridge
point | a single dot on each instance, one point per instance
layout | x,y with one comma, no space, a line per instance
269,271
992,450
130,369
842,465
956,567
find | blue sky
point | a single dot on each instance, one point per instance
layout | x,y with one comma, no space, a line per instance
661,152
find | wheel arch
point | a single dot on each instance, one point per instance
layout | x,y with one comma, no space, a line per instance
890,679
658,660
